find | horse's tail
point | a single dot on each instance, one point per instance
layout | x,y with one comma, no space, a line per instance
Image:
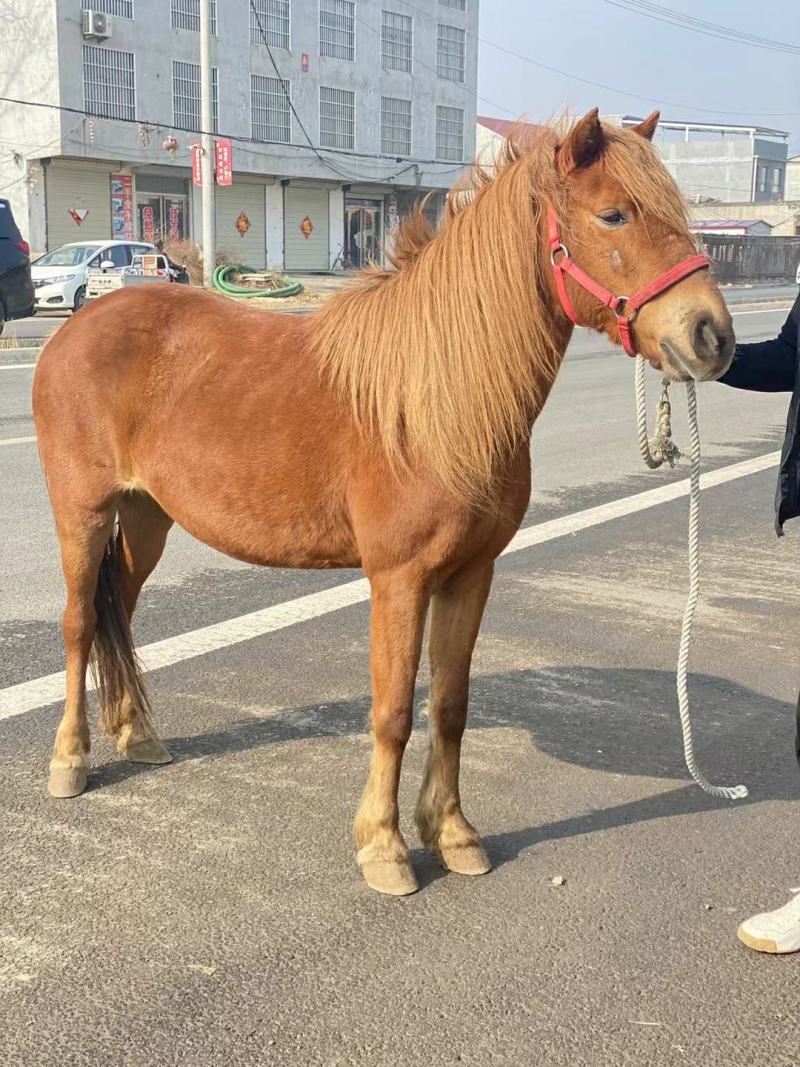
116,669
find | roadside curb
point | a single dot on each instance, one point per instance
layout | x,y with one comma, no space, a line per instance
773,302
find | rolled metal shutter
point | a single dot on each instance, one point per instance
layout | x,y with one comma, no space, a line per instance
303,252
233,201
80,186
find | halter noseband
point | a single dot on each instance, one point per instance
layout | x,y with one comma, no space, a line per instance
625,308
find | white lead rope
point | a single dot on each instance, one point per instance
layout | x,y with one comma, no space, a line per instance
660,450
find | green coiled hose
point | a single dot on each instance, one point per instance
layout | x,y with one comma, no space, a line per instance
292,287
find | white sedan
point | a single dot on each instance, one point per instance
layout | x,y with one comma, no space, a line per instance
59,277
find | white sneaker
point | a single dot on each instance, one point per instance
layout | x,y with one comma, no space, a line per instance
773,931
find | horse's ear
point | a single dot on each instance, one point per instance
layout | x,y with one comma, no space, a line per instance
582,145
647,127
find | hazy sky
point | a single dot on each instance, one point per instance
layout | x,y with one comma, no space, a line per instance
647,60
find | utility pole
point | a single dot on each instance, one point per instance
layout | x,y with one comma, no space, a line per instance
207,126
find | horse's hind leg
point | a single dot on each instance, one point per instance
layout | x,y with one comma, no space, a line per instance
399,606
83,534
456,614
143,534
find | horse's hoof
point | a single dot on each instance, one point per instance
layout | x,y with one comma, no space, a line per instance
396,878
465,859
67,782
148,750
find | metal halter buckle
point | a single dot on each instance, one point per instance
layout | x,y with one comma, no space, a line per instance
562,248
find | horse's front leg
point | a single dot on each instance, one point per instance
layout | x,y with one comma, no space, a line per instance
456,615
399,606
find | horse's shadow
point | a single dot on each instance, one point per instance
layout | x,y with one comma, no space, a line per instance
617,721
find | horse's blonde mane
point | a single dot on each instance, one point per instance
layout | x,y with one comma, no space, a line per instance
449,356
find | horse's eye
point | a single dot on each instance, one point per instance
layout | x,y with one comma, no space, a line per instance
613,218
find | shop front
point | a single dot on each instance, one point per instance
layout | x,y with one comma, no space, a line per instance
363,231
162,209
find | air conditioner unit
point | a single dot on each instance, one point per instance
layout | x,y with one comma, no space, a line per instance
96,25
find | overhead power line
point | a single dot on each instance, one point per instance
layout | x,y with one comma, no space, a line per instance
601,85
708,29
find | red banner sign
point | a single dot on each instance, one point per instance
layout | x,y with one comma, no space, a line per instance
174,224
223,161
197,163
122,228
148,224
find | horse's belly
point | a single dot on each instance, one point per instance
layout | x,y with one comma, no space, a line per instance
265,521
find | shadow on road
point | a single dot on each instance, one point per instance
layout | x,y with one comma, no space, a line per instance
616,721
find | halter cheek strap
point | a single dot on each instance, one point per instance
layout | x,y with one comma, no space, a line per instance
625,308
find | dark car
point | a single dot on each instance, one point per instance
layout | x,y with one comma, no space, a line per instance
16,287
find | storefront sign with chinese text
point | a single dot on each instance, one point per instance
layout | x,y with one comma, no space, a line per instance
174,223
197,163
223,161
122,228
148,224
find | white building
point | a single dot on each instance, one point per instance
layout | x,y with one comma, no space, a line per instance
340,112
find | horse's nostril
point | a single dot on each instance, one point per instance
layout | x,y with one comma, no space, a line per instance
708,340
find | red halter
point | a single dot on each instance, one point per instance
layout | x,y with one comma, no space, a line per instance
625,308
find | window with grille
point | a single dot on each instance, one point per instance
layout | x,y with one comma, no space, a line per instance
337,29
395,126
457,5
109,82
272,117
123,9
450,133
186,15
337,118
450,53
396,38
186,95
274,19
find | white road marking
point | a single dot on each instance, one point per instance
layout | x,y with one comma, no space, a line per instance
763,311
40,692
17,366
15,440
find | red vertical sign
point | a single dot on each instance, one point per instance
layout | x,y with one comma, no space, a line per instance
223,161
174,224
122,228
148,224
197,163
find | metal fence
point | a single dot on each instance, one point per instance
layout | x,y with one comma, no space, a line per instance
753,259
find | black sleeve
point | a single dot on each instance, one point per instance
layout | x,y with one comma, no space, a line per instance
768,366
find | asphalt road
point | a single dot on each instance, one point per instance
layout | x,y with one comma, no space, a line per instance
210,912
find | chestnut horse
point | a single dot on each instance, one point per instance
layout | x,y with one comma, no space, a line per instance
390,430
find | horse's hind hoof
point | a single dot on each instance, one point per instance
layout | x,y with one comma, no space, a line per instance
465,859
67,782
148,750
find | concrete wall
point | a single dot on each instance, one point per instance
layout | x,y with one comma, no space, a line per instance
722,169
28,29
